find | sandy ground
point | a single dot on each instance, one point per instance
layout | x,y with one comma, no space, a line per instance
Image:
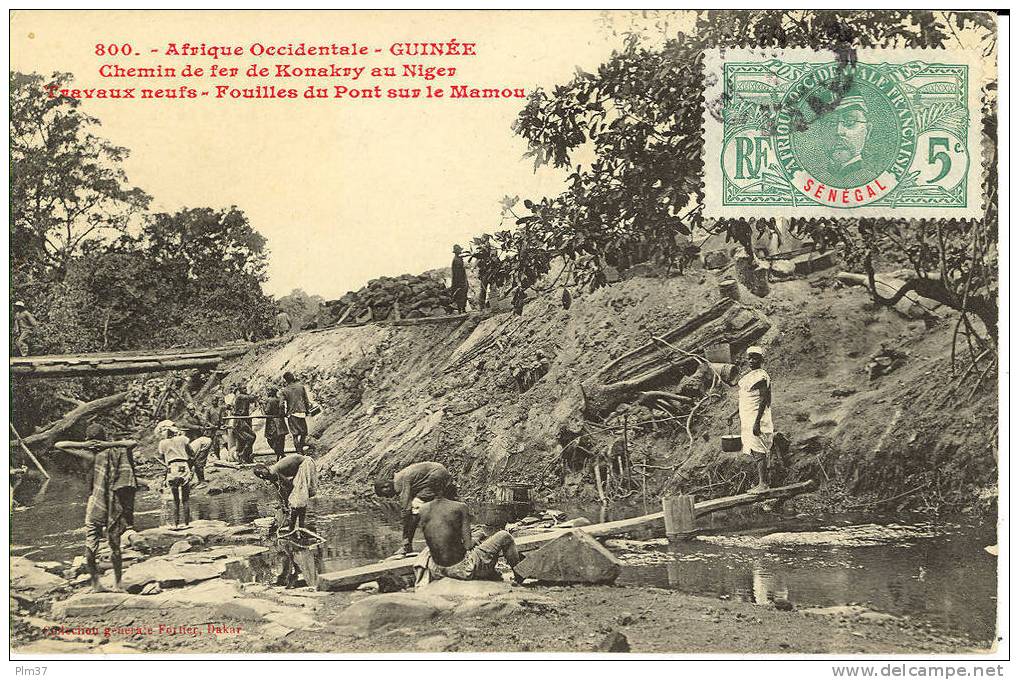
653,621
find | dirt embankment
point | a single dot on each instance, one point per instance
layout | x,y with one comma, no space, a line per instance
492,398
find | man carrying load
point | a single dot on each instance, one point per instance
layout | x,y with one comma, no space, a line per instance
296,480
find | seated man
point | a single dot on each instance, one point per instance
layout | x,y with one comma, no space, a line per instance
423,482
452,552
296,479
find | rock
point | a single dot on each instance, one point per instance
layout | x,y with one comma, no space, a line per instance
783,605
613,643
264,522
466,590
783,268
435,643
29,582
96,604
151,589
391,609
275,631
246,609
292,618
211,592
575,557
168,574
370,587
179,547
716,259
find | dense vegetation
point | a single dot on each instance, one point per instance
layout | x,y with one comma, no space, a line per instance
641,197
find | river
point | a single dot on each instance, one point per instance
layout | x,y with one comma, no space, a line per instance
937,573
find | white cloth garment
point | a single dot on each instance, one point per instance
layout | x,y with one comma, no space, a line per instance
749,403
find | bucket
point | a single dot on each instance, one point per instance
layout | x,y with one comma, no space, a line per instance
728,288
731,443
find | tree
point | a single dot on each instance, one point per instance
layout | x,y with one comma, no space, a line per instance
68,186
641,114
302,308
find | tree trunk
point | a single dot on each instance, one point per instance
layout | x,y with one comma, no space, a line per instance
47,437
652,366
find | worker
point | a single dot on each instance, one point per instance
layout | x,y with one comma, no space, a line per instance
243,433
296,480
213,418
201,447
284,325
459,285
275,425
754,411
176,455
415,485
24,326
485,261
297,405
110,506
453,551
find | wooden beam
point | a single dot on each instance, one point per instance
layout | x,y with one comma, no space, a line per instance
49,435
111,367
351,578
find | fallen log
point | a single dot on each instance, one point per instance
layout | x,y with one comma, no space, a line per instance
651,366
52,432
351,578
110,367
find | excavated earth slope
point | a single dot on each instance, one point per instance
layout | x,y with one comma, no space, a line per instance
393,395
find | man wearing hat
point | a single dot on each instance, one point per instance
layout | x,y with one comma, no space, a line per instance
24,324
852,130
754,411
459,283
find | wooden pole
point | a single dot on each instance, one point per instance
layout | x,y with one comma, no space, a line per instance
679,516
29,453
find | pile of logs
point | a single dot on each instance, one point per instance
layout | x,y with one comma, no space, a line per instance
402,297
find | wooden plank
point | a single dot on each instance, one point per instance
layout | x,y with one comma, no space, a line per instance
351,578
113,368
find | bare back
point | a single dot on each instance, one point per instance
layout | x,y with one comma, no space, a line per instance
442,523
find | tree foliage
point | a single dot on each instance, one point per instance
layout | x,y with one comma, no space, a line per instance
640,115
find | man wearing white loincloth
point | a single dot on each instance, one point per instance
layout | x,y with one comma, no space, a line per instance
754,410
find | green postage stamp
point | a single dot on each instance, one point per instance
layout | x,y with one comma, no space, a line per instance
805,133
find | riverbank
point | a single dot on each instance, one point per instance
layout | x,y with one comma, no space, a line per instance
518,619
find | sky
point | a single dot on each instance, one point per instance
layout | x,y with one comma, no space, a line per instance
344,191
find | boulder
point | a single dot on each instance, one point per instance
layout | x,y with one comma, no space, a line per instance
90,605
716,259
246,609
168,573
575,557
29,582
615,643
783,269
465,590
293,618
391,609
211,592
179,547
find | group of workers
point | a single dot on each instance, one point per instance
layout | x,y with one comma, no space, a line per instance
425,491
427,498
183,456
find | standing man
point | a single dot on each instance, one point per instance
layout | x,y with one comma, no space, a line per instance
484,258
275,425
110,506
213,417
754,411
243,433
283,324
459,286
296,480
414,485
295,399
176,455
24,325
